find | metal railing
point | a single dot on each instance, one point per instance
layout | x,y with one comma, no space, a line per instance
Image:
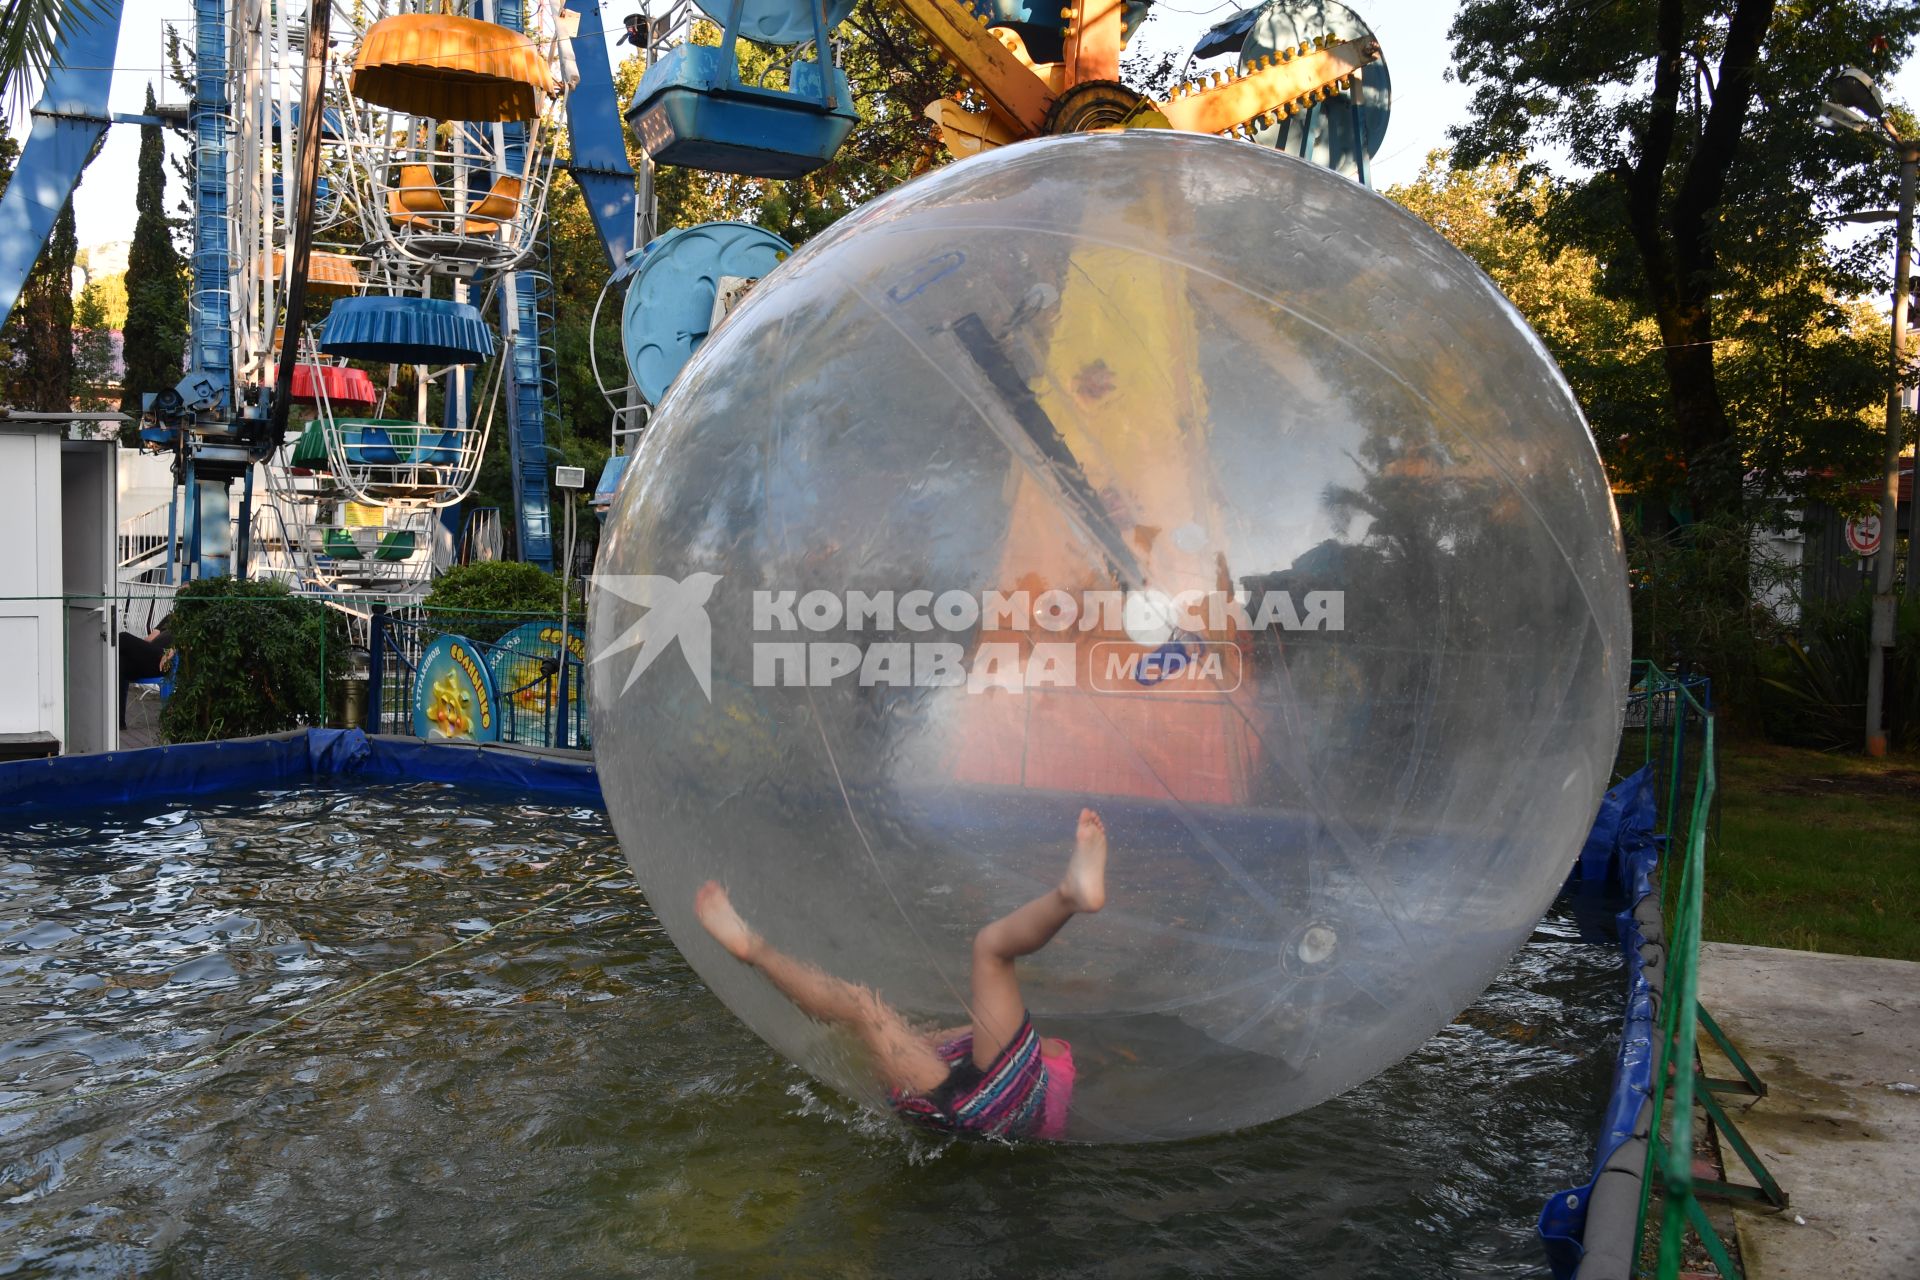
1641,1212
1671,1189
1679,1084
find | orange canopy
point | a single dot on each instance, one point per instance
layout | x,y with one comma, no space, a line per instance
326,272
449,68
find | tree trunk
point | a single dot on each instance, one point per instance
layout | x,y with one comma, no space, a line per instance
1703,432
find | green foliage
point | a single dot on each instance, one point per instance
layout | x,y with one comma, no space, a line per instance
39,334
499,586
1814,685
155,339
111,290
92,353
1692,606
1491,212
1700,184
249,659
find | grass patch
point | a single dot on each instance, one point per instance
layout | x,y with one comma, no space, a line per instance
1815,851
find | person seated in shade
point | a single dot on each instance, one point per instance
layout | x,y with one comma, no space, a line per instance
998,1077
144,658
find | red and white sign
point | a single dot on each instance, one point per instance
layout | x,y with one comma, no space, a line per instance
1863,535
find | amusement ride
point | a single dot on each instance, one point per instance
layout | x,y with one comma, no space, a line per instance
370,301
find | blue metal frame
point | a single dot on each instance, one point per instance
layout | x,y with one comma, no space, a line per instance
68,122
207,388
600,164
524,326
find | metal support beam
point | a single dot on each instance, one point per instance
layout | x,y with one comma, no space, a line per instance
599,165
208,385
67,124
525,328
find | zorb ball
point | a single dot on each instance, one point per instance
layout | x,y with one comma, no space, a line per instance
1144,472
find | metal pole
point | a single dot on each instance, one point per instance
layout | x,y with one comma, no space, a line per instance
376,665
563,735
1911,590
301,189
1884,601
244,550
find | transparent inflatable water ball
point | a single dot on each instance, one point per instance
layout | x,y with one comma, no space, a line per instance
1146,473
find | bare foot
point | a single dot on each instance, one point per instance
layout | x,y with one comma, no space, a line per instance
716,912
1085,884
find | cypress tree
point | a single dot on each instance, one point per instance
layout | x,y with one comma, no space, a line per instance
155,338
40,333
92,350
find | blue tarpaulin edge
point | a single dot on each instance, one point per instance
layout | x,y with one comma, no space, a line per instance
204,768
1624,851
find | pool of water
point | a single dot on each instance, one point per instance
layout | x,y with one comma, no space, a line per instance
566,1099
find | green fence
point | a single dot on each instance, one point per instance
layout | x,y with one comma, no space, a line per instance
1672,1192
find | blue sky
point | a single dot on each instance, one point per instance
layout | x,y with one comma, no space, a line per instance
1413,34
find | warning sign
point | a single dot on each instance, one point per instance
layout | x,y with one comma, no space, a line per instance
1863,535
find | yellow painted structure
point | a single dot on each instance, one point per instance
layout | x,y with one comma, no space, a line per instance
1026,99
450,68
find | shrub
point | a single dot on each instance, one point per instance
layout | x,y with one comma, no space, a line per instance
1814,687
485,601
1693,604
499,586
248,659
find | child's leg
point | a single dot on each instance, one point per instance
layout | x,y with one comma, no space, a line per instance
998,1007
903,1058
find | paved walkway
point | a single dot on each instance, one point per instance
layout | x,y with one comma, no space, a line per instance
1837,1039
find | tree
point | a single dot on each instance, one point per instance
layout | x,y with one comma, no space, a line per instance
39,335
1701,181
28,30
92,351
155,337
1803,369
1491,212
112,293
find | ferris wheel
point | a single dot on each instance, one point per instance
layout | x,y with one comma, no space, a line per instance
435,157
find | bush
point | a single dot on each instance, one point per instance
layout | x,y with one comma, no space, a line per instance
1693,604
248,660
512,593
499,586
1814,687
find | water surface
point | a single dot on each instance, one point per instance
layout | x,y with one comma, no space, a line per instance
566,1099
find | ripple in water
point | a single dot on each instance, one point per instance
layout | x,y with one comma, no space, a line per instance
566,1098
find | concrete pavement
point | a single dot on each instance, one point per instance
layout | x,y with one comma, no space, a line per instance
1837,1039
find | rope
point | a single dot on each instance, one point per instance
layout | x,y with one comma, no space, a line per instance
208,1059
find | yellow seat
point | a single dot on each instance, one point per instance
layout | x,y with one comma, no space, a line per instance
416,199
500,204
417,202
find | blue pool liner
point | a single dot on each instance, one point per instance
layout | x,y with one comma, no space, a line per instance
308,755
1588,1229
